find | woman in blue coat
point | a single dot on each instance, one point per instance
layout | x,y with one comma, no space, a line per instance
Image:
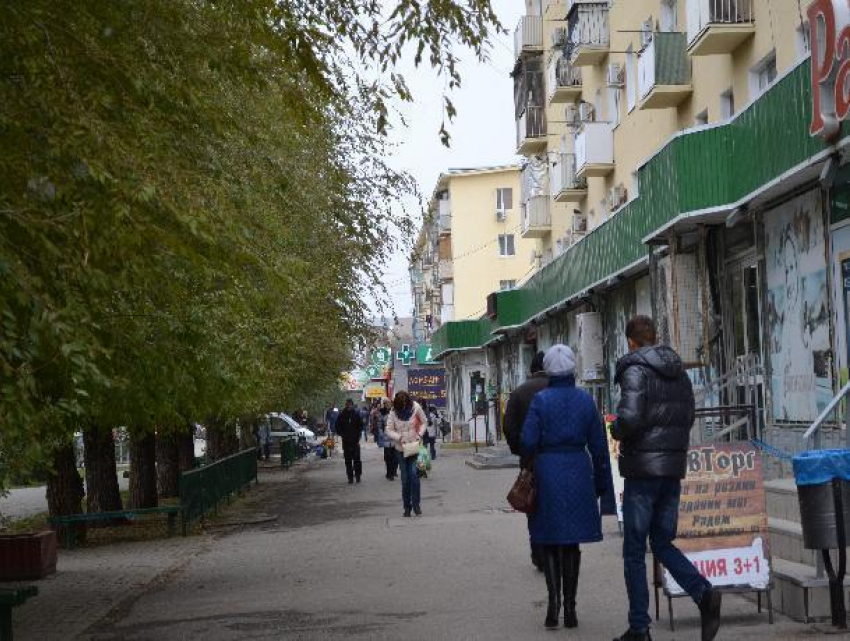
564,435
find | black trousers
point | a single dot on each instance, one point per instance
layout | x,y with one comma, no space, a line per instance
391,461
353,465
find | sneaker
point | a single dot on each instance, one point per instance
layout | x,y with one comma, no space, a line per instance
358,479
417,510
407,513
631,635
709,610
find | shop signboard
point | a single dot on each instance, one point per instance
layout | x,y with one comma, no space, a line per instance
375,390
829,33
425,355
354,380
428,385
722,525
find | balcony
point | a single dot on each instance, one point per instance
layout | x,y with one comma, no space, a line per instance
719,26
536,217
446,269
528,37
664,72
566,187
444,213
594,150
564,81
531,131
588,36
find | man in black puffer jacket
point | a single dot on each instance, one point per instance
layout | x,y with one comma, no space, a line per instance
654,420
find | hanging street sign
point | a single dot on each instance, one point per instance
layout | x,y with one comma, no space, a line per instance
382,356
405,355
425,355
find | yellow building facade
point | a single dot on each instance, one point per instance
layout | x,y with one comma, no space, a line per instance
469,246
601,86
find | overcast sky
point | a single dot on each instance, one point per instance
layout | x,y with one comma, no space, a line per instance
483,133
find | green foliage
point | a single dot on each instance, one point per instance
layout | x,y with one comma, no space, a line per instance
193,198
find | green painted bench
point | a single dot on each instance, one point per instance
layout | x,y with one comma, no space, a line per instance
172,511
10,598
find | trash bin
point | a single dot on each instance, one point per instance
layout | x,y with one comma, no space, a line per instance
814,473
823,489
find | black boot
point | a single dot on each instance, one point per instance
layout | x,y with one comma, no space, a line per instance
570,562
552,571
709,609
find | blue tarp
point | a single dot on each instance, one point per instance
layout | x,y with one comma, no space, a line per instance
821,466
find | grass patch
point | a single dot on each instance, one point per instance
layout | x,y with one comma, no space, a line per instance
29,524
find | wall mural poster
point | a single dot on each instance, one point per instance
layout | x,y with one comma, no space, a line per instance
797,310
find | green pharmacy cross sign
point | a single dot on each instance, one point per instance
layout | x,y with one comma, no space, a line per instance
405,355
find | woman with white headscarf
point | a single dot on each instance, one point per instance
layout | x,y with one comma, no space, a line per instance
564,435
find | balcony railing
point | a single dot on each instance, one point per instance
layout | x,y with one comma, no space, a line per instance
536,217
447,270
594,146
718,26
528,35
531,129
564,80
566,186
664,72
589,36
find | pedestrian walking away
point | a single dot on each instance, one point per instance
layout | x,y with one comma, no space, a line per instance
349,426
564,438
264,439
365,411
405,425
654,419
430,436
331,417
383,441
515,413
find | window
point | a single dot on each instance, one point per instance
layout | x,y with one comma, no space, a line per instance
506,284
504,199
635,185
669,16
727,104
763,75
631,81
701,119
506,245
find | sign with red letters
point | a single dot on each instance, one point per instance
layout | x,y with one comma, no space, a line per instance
829,35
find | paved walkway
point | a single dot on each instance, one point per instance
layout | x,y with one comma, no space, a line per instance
334,561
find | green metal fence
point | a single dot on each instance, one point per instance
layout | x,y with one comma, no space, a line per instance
202,489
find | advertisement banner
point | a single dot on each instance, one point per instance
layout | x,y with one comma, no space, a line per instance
722,525
428,385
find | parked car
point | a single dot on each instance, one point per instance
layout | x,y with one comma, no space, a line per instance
283,424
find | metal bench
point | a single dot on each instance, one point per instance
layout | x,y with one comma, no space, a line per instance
10,598
70,535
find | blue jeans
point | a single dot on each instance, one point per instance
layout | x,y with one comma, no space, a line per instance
651,508
409,481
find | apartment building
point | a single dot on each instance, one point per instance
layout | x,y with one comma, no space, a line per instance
470,245
684,159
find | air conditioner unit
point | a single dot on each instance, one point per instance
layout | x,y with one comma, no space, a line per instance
586,112
571,114
616,75
501,215
559,37
579,224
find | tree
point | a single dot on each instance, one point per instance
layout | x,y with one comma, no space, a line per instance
192,196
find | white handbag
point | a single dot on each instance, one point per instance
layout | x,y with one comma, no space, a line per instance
410,449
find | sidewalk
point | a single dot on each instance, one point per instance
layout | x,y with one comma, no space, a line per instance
339,561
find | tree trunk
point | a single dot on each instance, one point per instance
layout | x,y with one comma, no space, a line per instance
143,471
231,439
103,494
65,489
246,434
186,447
167,464
215,440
